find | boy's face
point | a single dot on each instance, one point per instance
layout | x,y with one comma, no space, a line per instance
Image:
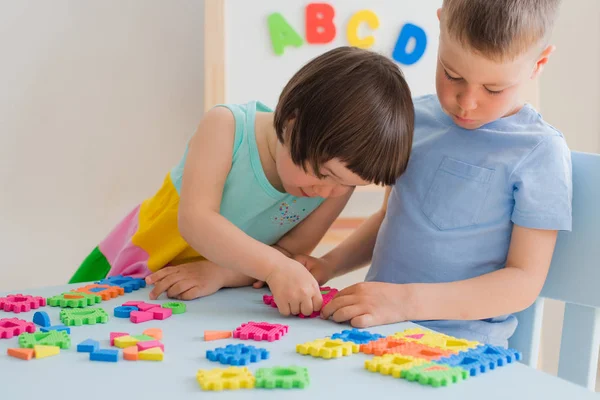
474,90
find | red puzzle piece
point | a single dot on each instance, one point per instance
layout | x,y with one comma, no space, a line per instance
21,303
327,293
10,327
260,331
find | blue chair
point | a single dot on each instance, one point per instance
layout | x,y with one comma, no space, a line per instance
574,278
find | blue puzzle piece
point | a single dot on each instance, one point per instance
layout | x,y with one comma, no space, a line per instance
107,355
357,336
57,328
88,346
124,311
482,359
42,319
237,354
97,289
128,283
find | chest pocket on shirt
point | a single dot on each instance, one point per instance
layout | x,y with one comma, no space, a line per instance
457,194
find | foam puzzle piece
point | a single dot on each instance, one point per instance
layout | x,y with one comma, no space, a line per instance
177,307
150,345
282,377
128,283
124,311
216,335
132,303
74,300
125,341
130,353
57,328
161,313
393,364
260,331
153,354
10,327
23,354
42,351
140,316
147,306
143,338
482,359
18,303
107,292
86,316
357,336
387,345
328,348
435,339
88,346
327,293
425,352
41,318
237,354
435,375
114,335
156,333
231,378
106,355
52,338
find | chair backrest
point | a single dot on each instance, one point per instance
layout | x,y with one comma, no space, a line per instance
574,278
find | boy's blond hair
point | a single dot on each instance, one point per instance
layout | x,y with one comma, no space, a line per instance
500,30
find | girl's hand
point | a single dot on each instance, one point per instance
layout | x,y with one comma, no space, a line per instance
320,268
368,304
294,289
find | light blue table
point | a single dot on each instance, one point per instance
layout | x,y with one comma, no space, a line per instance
72,375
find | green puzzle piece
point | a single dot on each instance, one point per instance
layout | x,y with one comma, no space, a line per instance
177,307
144,338
86,316
282,377
53,338
81,300
435,375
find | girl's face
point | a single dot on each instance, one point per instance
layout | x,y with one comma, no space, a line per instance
337,179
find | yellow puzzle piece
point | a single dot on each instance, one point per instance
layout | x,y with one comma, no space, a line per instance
393,364
45,351
153,354
328,348
435,339
231,378
125,341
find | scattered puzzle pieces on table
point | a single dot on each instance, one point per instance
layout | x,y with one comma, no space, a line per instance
86,316
482,359
393,364
106,292
231,378
23,354
237,354
74,300
435,375
327,293
124,311
328,348
10,327
41,318
156,333
357,336
435,339
128,283
153,354
387,345
43,351
260,331
57,328
216,335
18,303
88,346
176,306
52,338
282,377
106,355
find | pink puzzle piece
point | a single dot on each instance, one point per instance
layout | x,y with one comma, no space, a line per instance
327,293
161,313
260,331
114,335
416,336
132,303
150,345
140,316
21,303
10,327
146,306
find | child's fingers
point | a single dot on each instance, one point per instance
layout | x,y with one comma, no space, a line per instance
283,307
178,288
347,313
258,284
307,307
335,304
317,301
162,285
295,307
192,293
160,274
363,321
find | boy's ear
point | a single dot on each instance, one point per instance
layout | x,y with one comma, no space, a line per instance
439,14
542,61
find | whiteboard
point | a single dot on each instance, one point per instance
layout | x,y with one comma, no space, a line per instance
254,72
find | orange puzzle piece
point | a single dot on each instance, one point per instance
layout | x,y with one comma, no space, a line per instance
107,292
216,335
418,350
388,345
156,333
130,353
23,354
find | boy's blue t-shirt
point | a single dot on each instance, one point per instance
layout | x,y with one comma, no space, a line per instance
450,215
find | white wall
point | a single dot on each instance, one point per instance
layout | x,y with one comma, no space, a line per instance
97,100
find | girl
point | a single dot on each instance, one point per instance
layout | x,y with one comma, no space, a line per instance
256,186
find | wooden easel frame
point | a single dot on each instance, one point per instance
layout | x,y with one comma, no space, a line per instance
214,53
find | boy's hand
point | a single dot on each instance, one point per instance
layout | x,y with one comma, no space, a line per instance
320,268
294,289
187,281
368,304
